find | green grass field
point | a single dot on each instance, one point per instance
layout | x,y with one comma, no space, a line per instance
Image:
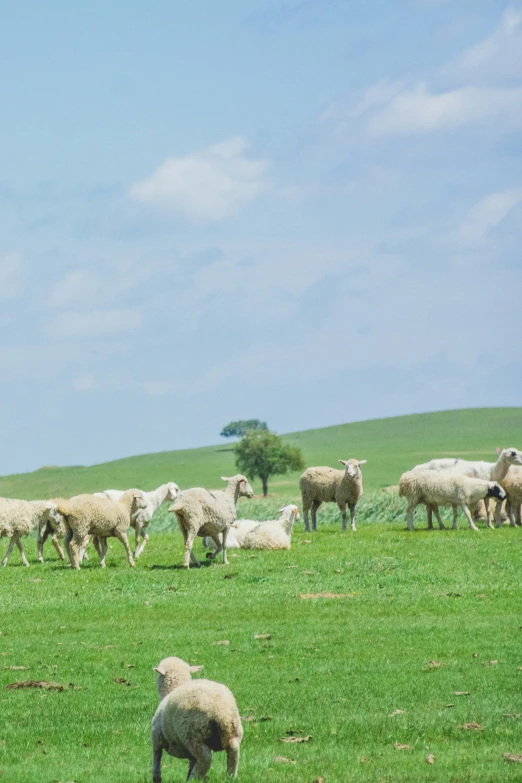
417,618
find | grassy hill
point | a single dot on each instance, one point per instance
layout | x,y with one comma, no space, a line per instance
390,445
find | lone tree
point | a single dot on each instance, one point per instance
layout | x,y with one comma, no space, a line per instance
263,454
237,429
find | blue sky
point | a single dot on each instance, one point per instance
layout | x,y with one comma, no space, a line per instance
306,211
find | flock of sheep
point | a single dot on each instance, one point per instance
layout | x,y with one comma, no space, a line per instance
211,515
198,717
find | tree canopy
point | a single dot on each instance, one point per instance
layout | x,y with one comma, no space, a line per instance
237,429
262,454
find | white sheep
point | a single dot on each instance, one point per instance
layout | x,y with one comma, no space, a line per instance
19,518
487,471
445,488
203,513
242,527
194,718
87,515
275,534
141,517
512,485
328,485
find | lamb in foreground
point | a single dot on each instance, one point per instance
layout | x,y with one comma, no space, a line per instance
141,517
19,518
193,719
203,513
240,529
328,485
275,534
445,488
87,515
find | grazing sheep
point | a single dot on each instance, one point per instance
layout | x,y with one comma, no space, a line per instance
242,527
203,513
19,518
56,528
86,515
445,463
328,485
445,488
275,534
141,517
193,719
512,484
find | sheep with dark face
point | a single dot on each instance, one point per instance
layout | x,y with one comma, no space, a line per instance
328,485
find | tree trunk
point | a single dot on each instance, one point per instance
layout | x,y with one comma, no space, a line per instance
264,479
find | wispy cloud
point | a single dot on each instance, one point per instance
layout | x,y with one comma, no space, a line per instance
96,323
487,214
206,186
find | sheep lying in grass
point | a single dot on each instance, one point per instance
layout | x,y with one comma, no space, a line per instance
327,485
512,484
203,513
86,515
19,518
445,488
241,528
275,534
193,719
141,517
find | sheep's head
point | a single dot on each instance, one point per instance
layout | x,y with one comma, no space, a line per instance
352,467
173,491
290,512
53,515
173,672
242,488
512,456
496,491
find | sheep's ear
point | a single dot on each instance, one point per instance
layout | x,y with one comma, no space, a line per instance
362,461
171,508
137,495
224,478
343,462
193,669
159,669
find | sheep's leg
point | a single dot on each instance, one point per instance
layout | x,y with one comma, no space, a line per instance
102,550
192,764
43,533
219,546
67,542
306,509
439,520
137,536
121,535
83,553
454,508
156,765
429,516
469,517
342,509
22,553
488,511
352,516
189,543
233,758
56,544
203,756
144,540
315,506
409,516
518,517
224,535
9,550
75,548
498,514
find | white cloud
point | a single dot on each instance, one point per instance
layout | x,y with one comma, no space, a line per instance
95,323
418,110
209,185
11,271
487,214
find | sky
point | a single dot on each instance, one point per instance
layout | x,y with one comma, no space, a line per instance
303,211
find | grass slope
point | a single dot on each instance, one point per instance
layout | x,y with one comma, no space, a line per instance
335,668
390,445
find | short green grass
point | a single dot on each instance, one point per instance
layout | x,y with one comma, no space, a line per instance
335,668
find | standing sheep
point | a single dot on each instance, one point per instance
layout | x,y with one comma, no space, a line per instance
275,534
512,484
86,515
328,485
193,719
445,488
19,518
203,513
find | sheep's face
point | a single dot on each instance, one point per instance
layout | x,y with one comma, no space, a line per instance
513,456
173,491
290,511
245,490
496,491
55,516
352,467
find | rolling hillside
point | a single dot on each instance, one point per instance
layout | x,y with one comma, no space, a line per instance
390,445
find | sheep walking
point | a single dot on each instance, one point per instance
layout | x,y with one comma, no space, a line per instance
274,534
86,515
328,485
241,528
19,518
141,517
203,513
194,719
445,488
